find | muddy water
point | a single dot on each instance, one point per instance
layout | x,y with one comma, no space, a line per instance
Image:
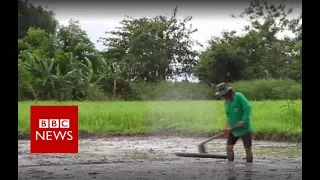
153,158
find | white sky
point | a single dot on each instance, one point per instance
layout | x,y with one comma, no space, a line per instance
210,18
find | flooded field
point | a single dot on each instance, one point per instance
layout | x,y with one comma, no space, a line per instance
153,158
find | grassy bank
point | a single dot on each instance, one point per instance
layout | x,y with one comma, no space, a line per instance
276,120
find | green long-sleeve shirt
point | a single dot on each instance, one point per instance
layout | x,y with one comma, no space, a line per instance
237,110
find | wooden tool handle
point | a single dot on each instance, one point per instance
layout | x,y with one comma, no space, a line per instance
212,138
216,136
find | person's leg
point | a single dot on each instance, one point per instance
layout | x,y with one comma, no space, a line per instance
231,141
247,143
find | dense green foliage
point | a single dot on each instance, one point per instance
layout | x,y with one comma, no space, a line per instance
31,16
61,63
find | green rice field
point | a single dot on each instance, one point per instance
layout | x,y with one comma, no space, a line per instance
270,119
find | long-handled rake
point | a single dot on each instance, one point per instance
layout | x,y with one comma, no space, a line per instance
201,147
202,150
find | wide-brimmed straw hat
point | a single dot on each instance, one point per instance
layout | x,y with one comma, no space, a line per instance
222,89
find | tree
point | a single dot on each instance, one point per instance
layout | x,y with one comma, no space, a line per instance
268,20
72,38
260,53
36,17
36,41
146,49
221,62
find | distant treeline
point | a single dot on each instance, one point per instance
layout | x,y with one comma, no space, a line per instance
62,63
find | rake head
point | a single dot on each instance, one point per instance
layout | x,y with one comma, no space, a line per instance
201,148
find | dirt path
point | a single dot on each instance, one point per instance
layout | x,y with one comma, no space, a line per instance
153,158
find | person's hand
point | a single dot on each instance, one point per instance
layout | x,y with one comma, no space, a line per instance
225,131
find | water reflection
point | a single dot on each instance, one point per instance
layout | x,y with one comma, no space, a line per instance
234,172
231,171
248,172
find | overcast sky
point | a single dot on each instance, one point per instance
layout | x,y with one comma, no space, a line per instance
97,18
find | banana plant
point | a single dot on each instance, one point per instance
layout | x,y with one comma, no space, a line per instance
83,75
62,83
87,73
40,67
112,71
41,70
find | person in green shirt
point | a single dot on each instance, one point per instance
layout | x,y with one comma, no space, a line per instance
238,112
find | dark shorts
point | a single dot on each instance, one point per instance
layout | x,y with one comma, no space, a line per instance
246,140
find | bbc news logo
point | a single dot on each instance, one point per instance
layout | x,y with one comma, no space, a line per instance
53,134
54,129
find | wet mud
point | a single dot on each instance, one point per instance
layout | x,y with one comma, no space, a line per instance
153,158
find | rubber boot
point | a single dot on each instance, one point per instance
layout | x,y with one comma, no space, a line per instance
230,155
249,156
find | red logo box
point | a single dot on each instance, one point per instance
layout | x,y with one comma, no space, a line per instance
54,129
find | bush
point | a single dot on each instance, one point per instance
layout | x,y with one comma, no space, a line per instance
261,89
269,89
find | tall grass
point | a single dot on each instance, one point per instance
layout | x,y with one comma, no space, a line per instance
260,89
187,117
